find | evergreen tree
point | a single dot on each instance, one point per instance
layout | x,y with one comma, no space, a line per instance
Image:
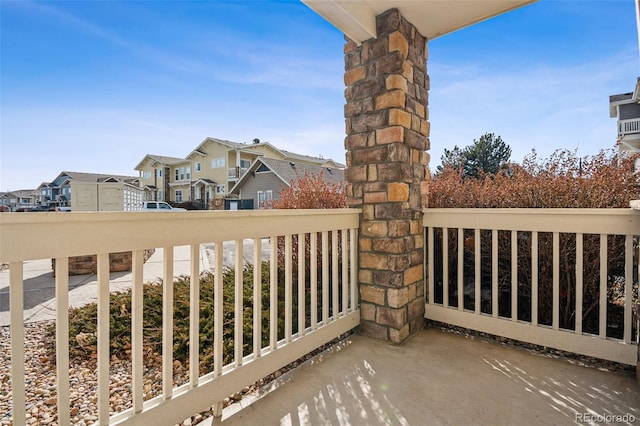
485,156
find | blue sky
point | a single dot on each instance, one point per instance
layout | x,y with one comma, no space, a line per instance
93,86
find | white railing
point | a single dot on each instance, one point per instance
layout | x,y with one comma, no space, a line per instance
626,127
323,277
236,172
537,275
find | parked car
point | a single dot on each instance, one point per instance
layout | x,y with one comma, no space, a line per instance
160,206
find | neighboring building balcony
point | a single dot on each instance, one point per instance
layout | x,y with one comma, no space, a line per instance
629,127
533,275
234,173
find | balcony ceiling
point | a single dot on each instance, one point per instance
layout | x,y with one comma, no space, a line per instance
433,18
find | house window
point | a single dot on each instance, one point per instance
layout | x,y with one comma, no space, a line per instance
245,164
159,172
217,162
178,195
198,167
220,189
188,173
177,174
159,196
264,199
146,175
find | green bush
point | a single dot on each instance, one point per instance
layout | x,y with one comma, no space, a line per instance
83,320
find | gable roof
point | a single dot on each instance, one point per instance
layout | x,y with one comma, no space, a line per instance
229,144
288,171
161,159
94,177
22,193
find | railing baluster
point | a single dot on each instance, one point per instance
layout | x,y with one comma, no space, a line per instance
137,352
534,278
445,267
194,317
238,313
302,240
579,280
325,277
167,324
16,304
257,297
603,287
103,338
477,276
353,267
514,275
461,248
345,273
288,305
494,273
314,279
555,322
62,339
218,306
628,286
273,294
430,298
334,275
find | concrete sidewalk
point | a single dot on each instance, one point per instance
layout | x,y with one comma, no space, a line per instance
39,284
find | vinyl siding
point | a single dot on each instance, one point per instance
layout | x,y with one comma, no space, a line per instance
263,181
629,111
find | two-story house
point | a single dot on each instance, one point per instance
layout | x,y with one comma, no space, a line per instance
210,170
57,193
157,177
20,199
625,108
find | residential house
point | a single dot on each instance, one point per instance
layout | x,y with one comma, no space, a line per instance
57,193
266,178
625,108
210,170
156,177
21,199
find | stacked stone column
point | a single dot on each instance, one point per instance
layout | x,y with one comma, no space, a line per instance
387,171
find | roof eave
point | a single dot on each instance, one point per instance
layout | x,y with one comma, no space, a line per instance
357,18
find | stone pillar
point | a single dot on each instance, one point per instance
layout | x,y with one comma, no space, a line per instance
387,170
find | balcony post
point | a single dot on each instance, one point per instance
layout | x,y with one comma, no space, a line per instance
387,170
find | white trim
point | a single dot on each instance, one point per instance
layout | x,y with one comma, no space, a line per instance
566,340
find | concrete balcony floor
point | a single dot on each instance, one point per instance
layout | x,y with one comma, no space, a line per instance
439,378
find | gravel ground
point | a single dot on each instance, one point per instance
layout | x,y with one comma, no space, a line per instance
41,390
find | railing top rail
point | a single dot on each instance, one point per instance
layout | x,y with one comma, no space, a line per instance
590,221
26,236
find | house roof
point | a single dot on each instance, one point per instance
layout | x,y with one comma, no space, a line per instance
288,171
230,144
432,18
204,181
162,159
624,98
26,193
94,177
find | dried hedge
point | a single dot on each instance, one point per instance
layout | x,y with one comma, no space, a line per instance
561,181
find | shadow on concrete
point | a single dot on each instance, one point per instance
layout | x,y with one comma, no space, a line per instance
439,378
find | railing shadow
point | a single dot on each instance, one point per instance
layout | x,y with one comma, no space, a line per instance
442,378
